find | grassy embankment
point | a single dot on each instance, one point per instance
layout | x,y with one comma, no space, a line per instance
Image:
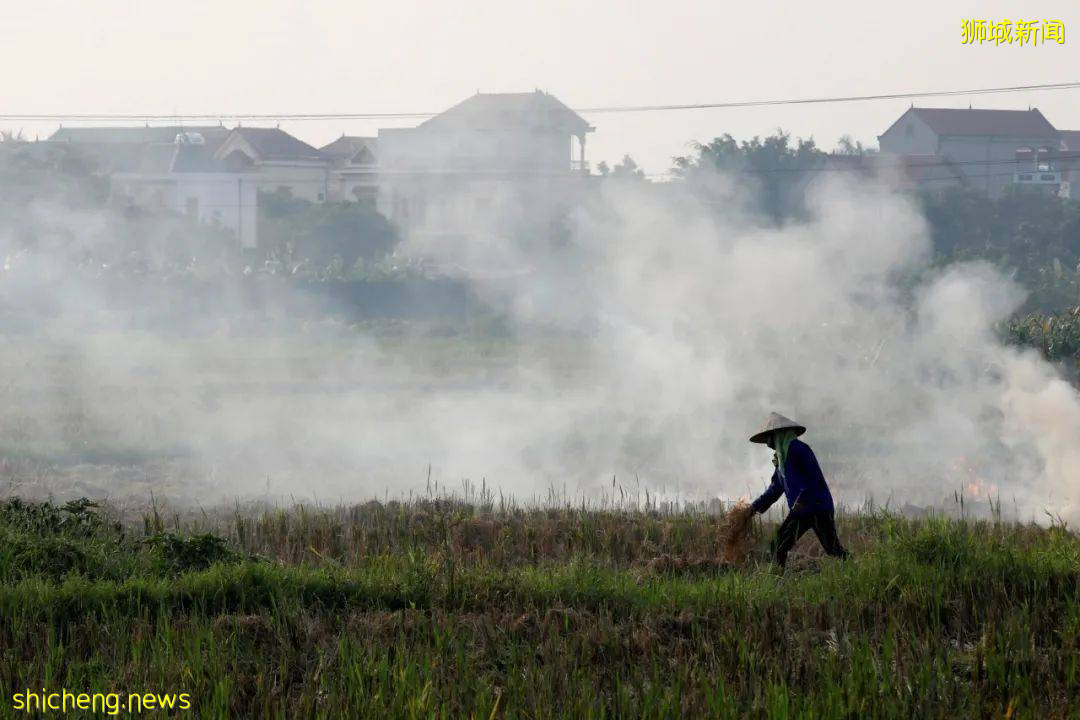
446,609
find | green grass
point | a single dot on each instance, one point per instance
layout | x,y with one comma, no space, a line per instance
448,609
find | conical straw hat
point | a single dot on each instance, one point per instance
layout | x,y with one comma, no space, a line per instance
775,422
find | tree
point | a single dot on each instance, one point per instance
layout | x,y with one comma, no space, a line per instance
774,167
847,146
628,169
1032,235
347,231
319,233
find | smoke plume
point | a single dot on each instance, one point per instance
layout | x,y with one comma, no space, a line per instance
646,347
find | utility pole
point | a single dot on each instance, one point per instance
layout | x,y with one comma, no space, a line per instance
240,211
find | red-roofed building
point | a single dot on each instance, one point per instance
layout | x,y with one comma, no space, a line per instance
991,149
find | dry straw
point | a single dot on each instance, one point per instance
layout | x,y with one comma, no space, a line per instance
735,533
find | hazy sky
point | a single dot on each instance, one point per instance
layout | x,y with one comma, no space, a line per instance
285,56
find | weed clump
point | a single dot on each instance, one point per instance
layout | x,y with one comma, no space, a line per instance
54,542
78,518
176,555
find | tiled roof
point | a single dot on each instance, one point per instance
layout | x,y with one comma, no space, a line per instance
347,146
276,144
490,111
138,135
1000,123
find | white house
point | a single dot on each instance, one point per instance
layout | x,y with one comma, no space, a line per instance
492,167
277,161
172,168
185,177
354,169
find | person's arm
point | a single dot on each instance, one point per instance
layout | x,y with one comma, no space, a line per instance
767,498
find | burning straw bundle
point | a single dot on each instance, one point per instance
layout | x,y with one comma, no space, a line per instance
735,533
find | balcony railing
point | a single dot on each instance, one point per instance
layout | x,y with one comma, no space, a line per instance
1037,177
581,166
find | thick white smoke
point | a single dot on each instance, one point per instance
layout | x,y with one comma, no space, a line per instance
649,348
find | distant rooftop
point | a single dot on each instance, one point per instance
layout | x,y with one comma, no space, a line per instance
136,135
505,110
1000,123
276,144
346,147
166,158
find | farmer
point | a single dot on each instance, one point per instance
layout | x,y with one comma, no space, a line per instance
798,477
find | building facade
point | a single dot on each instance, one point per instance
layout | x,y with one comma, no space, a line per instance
354,169
171,168
991,150
493,167
277,161
184,177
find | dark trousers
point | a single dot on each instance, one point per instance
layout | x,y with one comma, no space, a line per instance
793,527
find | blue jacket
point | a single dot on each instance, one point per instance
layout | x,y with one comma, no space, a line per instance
804,483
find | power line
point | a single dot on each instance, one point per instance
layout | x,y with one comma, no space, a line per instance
889,166
837,99
177,117
254,177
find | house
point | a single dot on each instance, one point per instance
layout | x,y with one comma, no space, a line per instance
993,149
185,177
489,166
277,161
113,149
354,168
171,168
